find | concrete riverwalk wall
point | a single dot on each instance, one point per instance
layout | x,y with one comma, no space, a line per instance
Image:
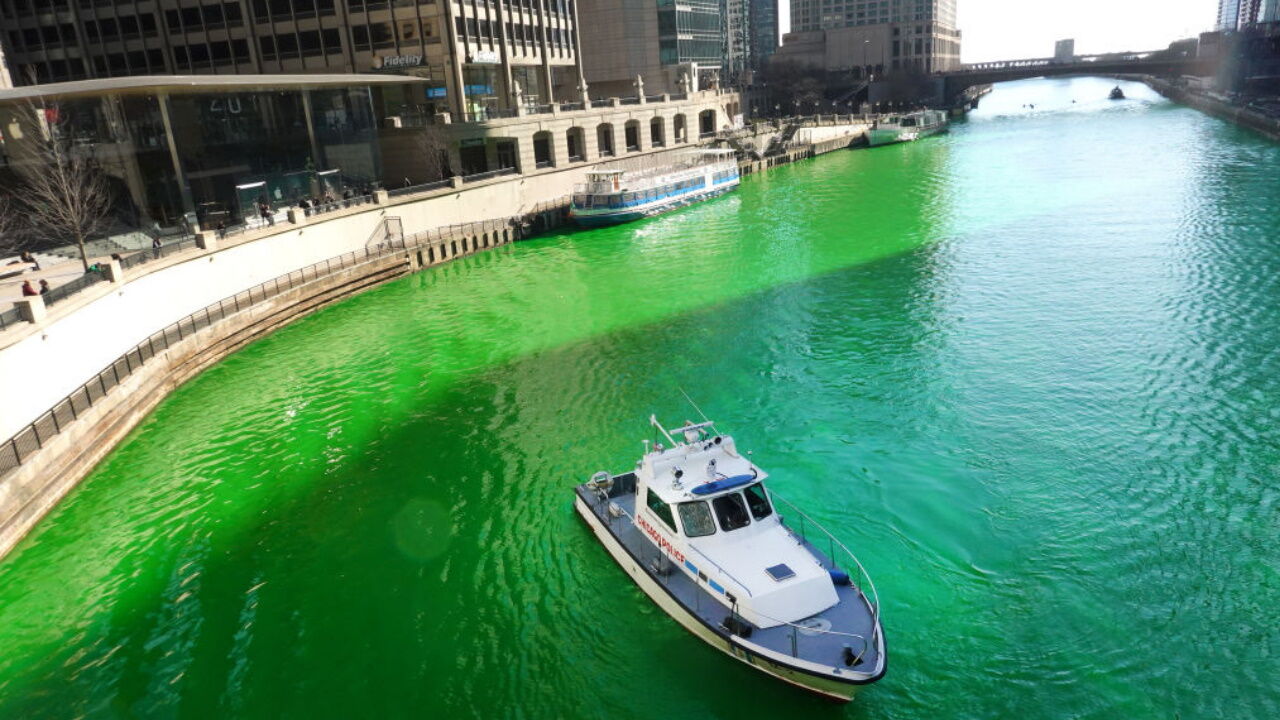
32,489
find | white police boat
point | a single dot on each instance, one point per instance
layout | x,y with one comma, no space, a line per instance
612,196
696,529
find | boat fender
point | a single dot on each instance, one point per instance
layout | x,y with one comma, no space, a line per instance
736,626
839,578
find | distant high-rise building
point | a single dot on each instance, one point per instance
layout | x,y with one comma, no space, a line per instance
1064,50
764,31
1228,14
737,38
660,41
875,35
1237,14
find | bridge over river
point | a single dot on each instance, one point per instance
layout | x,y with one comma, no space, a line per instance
1156,62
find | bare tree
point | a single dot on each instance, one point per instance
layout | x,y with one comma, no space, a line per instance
63,194
9,239
433,148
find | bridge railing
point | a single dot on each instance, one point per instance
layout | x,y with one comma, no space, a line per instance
1080,60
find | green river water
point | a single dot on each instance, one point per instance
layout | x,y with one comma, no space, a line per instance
1029,371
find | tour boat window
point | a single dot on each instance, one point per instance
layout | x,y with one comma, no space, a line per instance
758,501
661,509
731,511
695,518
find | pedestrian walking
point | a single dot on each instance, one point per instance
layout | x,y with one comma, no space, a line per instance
29,290
155,247
44,286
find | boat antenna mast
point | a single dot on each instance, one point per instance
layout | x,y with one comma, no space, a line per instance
705,419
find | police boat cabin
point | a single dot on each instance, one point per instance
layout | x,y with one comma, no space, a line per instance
697,530
613,196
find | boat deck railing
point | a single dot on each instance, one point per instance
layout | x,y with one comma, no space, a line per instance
861,579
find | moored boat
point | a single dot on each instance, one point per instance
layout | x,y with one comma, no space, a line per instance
908,127
696,529
613,196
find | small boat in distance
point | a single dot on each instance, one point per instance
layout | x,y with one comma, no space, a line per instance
695,528
1117,93
908,127
613,196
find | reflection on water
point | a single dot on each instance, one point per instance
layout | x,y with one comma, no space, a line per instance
1026,369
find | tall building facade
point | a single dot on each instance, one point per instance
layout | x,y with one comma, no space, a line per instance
662,42
1064,50
763,27
1228,14
869,37
479,55
736,37
1238,14
1270,11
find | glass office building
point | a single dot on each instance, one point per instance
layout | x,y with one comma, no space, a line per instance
207,152
689,31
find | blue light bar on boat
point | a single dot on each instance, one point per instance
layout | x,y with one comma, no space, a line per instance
716,486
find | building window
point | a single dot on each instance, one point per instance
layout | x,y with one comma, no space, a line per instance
543,150
604,139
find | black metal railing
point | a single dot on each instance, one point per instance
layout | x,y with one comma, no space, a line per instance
420,187
606,102
67,289
570,106
328,206
485,115
476,177
35,435
654,98
165,250
630,101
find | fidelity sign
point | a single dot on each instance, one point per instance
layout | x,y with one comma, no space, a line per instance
400,61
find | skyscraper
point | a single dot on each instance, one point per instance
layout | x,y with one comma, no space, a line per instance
913,35
1228,14
1270,11
660,42
763,26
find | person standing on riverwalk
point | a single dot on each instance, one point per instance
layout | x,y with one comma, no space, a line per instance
29,290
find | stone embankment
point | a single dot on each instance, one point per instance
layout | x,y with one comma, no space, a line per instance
1242,116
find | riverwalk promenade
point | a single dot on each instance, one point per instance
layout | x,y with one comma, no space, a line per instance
77,374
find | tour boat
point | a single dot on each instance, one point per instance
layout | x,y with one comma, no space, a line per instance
908,127
1117,93
695,528
615,196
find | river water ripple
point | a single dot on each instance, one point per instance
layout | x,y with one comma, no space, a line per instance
1027,370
